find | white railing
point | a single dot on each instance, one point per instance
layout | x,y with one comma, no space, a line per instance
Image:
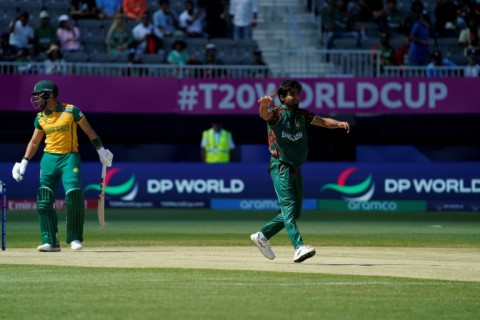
141,70
323,63
421,72
287,63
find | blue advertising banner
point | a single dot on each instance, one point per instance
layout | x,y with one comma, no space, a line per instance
248,186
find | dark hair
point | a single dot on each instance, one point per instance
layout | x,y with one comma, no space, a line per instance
288,85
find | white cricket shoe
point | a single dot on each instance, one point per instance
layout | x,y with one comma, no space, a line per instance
263,244
303,253
76,245
46,247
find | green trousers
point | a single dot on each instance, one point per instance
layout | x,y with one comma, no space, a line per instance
54,167
288,184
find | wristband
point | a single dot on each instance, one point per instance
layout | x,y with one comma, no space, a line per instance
25,158
97,143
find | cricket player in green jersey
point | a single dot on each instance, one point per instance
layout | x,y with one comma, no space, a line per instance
287,141
58,123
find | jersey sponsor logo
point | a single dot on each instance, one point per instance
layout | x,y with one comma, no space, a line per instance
292,137
57,129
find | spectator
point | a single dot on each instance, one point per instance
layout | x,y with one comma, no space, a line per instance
342,25
463,13
401,55
244,18
469,37
416,9
119,36
210,58
54,64
24,58
178,55
387,52
45,33
472,69
165,19
83,9
446,18
135,9
108,8
418,52
390,18
68,35
147,37
367,9
433,69
21,33
257,61
189,23
216,14
217,144
6,52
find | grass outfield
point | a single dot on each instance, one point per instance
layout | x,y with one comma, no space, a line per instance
42,291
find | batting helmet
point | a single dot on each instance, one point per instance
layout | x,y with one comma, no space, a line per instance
45,86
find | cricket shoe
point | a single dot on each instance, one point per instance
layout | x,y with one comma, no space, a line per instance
263,244
76,245
47,247
303,253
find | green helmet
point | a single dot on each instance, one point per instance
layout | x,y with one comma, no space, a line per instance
45,86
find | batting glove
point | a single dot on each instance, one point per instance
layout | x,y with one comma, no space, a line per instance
106,157
19,170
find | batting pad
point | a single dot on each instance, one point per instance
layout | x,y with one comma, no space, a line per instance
47,217
75,204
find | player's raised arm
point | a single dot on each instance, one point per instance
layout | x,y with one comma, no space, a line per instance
264,110
330,123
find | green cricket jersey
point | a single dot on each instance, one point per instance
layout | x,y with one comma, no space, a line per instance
287,134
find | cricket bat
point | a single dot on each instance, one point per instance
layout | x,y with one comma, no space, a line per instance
101,199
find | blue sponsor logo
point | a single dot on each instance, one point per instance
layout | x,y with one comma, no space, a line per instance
256,204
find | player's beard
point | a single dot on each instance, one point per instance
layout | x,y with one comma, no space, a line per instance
294,105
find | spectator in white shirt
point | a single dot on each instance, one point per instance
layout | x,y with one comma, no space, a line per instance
244,18
192,27
21,33
147,37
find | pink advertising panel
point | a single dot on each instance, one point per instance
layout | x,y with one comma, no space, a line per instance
239,96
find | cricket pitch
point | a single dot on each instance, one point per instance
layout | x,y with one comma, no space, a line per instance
457,264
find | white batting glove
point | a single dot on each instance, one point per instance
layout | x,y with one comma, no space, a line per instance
19,170
106,157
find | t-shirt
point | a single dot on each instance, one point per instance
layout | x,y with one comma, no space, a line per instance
60,127
21,35
287,134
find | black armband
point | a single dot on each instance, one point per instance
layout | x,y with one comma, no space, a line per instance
97,143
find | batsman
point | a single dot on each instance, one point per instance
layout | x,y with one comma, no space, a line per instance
60,161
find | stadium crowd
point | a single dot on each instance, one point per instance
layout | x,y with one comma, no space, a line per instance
415,33
405,32
135,31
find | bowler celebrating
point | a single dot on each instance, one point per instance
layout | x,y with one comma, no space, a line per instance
61,160
287,141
